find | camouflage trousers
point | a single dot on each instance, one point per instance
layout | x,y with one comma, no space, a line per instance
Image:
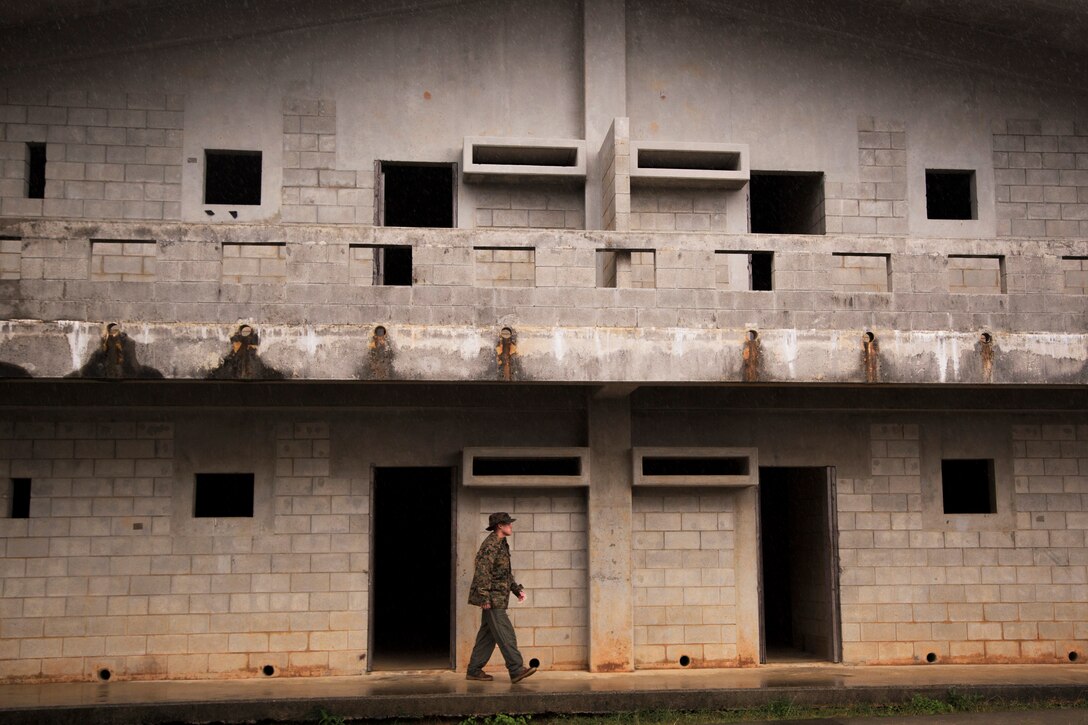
495,629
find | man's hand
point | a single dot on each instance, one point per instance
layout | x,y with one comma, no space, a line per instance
486,605
521,596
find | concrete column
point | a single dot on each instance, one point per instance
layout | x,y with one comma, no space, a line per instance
746,553
605,61
611,606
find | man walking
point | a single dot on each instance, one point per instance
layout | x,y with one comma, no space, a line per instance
492,584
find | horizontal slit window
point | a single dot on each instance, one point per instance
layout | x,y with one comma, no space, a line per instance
695,466
524,156
677,159
223,495
544,466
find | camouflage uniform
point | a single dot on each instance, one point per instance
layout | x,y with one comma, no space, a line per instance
493,582
494,578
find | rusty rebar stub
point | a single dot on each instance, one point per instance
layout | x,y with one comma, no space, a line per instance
870,357
986,353
379,356
506,355
115,358
243,362
751,356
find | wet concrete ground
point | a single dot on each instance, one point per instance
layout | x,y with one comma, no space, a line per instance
433,694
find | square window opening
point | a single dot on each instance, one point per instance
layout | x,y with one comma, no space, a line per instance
626,268
223,495
20,498
968,486
232,177
417,195
35,171
786,202
393,266
950,194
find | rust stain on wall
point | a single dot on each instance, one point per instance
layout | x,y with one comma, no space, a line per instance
870,358
506,355
986,352
115,359
243,361
751,357
379,356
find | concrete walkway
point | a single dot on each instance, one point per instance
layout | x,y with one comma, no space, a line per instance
445,693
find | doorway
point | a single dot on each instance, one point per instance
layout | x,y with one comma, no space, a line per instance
416,195
799,565
411,569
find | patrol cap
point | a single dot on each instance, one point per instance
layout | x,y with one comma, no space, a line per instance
498,519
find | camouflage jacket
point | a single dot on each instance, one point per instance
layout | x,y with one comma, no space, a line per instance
493,580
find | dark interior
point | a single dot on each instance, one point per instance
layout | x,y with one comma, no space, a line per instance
223,494
796,564
417,195
967,486
787,203
950,194
35,171
397,266
411,568
232,177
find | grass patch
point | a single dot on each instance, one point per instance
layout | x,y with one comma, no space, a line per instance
776,710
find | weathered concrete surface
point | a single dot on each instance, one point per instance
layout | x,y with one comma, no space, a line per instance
448,694
577,354
320,321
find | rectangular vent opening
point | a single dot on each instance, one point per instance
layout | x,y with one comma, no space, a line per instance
524,156
527,466
223,495
695,160
695,466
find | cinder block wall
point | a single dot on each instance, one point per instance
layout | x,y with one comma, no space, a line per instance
109,155
683,564
1041,172
549,559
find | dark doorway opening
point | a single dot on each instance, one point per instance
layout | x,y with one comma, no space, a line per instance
417,195
411,569
787,202
799,565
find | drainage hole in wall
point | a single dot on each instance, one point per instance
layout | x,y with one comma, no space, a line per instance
685,660
104,674
1073,656
506,333
379,331
534,662
868,337
986,338
268,670
753,335
931,657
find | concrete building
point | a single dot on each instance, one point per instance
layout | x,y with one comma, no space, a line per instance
765,320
